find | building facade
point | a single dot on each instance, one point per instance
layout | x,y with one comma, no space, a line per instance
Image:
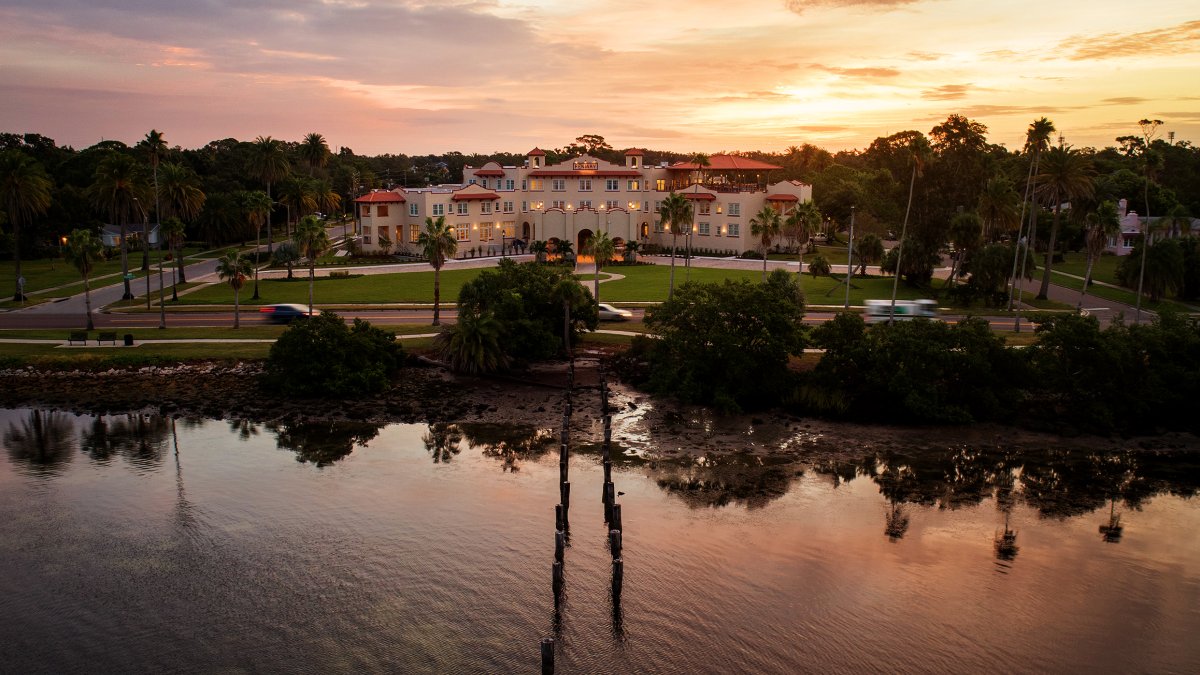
496,205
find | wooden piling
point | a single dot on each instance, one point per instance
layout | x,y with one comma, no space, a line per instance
557,569
609,492
565,497
547,656
615,521
607,471
560,522
560,545
562,470
618,578
614,543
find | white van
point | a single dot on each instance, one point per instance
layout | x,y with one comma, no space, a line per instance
879,311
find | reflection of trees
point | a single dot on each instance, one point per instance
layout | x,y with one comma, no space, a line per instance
43,442
748,480
322,443
507,443
141,439
244,429
442,440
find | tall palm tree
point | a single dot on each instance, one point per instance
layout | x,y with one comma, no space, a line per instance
221,220
1066,175
700,159
966,231
269,163
1037,141
115,190
25,189
998,206
766,225
300,194
233,268
1151,162
570,294
83,250
868,250
805,218
1102,224
154,146
173,230
327,199
602,249
312,240
920,152
256,206
673,213
180,186
437,242
314,151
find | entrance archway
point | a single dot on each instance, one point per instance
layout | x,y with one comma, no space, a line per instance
525,230
585,237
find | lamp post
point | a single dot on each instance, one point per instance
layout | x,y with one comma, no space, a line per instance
850,258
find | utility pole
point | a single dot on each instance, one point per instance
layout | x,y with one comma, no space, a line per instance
850,258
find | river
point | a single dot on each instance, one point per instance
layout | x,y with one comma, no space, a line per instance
140,543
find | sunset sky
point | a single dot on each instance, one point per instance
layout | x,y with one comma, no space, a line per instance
431,76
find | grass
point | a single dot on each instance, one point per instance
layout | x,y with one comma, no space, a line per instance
372,289
1121,295
49,355
1104,269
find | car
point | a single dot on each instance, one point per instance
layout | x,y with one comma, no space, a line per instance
610,313
285,313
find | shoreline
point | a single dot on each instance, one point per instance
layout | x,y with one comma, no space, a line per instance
643,425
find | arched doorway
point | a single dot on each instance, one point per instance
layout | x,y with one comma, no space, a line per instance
585,237
525,230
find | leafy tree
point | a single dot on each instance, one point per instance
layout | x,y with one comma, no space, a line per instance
966,231
602,249
233,268
312,241
269,163
25,189
83,250
998,206
802,222
539,249
819,267
727,344
321,356
988,267
631,250
473,344
437,242
117,189
766,225
1066,175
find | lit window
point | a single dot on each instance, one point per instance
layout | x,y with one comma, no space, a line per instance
536,184
462,233
485,232
660,185
634,185
414,232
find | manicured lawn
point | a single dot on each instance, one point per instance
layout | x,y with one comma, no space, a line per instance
374,288
48,273
1104,269
1121,295
146,354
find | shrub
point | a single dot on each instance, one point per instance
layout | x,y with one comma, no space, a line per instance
323,357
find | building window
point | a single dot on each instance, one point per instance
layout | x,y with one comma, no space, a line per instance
657,206
635,206
439,209
704,229
585,203
705,208
509,184
735,229
735,210
485,207
366,229
472,181
364,210
536,184
660,185
414,233
366,239
414,209
462,233
611,185
485,232
382,211
508,207
658,226
524,185
558,204
558,185
635,185
585,184
462,208
524,207
1130,241
612,204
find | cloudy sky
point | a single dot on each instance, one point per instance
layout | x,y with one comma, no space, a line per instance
420,76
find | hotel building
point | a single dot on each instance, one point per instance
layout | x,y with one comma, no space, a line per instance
495,205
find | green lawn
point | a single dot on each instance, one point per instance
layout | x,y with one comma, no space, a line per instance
373,288
1104,269
1121,295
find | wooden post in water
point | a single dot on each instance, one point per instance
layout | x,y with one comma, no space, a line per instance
609,492
560,545
618,577
615,521
547,656
614,543
562,470
557,568
607,471
565,494
560,522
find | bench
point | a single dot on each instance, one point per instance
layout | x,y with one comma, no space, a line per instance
107,337
77,336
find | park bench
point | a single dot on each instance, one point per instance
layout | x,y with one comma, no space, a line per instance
107,337
77,336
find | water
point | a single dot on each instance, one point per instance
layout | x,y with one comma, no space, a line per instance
144,544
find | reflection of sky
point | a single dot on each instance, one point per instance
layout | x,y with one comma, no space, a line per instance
421,77
385,560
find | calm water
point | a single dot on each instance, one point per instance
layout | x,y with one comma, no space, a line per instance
145,544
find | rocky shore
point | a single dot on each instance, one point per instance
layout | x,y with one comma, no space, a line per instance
648,426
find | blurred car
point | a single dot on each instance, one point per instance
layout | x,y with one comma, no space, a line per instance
610,313
285,313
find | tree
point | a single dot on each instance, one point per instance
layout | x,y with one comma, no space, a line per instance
766,225
998,206
256,206
180,189
472,345
321,356
312,241
869,250
437,242
803,220
672,214
269,163
25,189
1037,141
83,250
327,199
1159,270
299,194
631,250
315,151
539,249
116,190
819,267
233,268
918,151
1102,224
602,249
172,230
286,254
1066,175
385,244
966,231
154,146
1151,161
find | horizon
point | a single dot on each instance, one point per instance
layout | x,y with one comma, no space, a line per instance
418,78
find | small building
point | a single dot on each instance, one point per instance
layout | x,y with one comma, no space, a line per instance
1132,226
110,235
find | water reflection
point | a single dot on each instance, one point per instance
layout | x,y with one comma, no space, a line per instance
322,443
716,481
508,444
141,439
41,443
442,441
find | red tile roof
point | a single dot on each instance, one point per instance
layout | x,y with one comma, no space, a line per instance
560,173
476,195
726,163
489,172
702,196
381,197
535,151
634,151
782,198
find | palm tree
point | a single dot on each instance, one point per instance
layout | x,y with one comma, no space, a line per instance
25,189
116,189
920,151
1067,175
154,146
1151,162
473,345
437,242
256,206
82,252
766,225
312,240
300,194
326,198
700,159
173,230
315,151
805,218
570,294
869,250
998,206
1037,141
539,249
602,249
1102,224
184,200
269,163
233,268
631,250
966,231
287,255
673,213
